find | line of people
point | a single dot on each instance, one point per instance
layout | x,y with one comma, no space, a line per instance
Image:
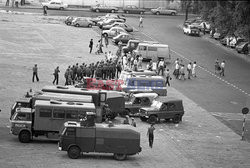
179,71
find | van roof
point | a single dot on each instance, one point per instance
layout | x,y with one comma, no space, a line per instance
65,97
153,44
64,104
145,77
145,94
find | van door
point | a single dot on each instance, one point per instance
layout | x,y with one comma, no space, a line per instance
152,53
143,51
163,52
85,138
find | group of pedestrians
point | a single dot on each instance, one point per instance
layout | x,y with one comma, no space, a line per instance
180,72
219,67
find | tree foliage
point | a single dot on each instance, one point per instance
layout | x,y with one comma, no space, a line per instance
230,16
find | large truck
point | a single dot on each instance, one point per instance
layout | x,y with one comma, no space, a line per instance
47,118
86,136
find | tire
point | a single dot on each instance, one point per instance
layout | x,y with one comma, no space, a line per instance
120,157
77,25
112,11
105,35
172,13
90,25
68,23
157,13
141,13
24,136
97,10
74,152
176,119
143,119
152,119
127,12
61,8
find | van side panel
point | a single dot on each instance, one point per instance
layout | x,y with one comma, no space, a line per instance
85,138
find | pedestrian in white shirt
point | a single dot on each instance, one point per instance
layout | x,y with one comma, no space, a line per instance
141,22
222,66
194,69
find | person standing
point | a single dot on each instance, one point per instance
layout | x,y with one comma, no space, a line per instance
189,70
44,10
106,41
133,123
168,78
150,135
182,73
7,3
90,45
222,66
126,121
194,69
140,61
161,67
56,75
118,69
35,73
141,22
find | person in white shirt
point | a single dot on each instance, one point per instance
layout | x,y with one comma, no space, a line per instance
140,21
222,66
135,64
161,67
140,62
194,69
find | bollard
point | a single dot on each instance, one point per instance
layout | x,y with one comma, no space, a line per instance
245,110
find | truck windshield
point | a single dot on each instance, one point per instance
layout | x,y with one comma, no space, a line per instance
157,104
22,116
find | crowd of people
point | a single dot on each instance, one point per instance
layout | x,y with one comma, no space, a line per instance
179,71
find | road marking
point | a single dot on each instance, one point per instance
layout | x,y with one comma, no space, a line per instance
182,56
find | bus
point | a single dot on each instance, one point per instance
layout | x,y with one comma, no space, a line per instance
46,118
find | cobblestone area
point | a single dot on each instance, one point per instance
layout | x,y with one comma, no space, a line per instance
199,141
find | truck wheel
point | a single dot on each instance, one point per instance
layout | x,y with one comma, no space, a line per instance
61,8
152,119
68,23
120,157
90,25
112,11
157,13
74,152
97,10
176,119
143,119
172,13
77,25
24,136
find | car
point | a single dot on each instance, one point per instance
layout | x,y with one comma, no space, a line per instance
243,47
191,30
54,4
138,101
105,22
163,11
82,22
218,35
133,9
163,107
69,20
104,8
114,31
131,45
123,37
235,41
108,16
118,24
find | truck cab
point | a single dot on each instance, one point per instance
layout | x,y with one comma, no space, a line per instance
86,136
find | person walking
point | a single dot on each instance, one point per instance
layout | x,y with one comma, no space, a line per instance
35,73
106,41
7,3
90,45
141,22
126,121
182,73
189,70
168,78
194,69
150,135
56,75
44,10
118,69
217,66
133,123
222,66
161,67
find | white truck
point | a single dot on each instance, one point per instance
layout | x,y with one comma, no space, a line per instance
54,4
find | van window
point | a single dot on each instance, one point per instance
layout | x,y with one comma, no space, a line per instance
71,114
45,112
152,49
58,113
70,132
171,106
82,114
143,48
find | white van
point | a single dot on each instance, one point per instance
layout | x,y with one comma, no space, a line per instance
153,51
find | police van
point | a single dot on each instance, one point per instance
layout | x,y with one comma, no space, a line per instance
153,51
142,82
